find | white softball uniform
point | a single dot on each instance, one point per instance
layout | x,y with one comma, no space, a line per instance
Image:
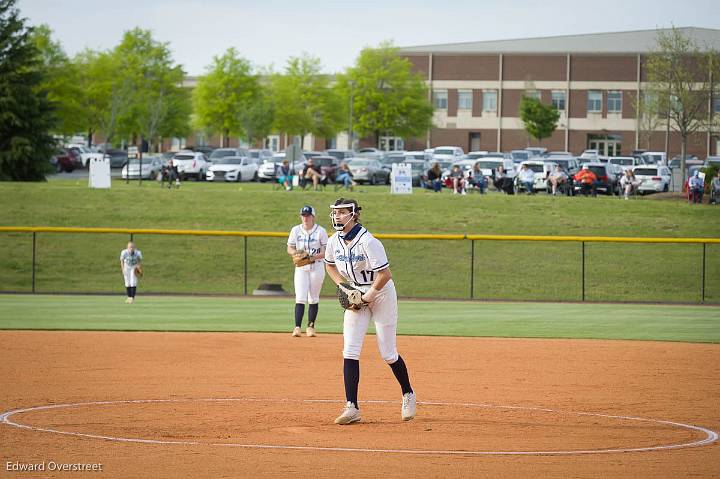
309,278
129,262
358,262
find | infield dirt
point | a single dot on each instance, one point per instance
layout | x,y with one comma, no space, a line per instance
287,379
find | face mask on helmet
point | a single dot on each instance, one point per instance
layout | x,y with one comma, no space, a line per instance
339,218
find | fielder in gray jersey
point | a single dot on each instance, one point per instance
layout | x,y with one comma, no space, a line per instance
131,267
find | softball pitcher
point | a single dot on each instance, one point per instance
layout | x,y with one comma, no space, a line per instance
131,266
355,256
306,244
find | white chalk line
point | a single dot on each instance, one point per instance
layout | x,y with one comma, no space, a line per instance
710,436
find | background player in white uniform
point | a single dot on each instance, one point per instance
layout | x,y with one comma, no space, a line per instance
130,259
355,256
311,237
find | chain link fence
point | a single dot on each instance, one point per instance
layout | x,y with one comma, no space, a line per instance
77,260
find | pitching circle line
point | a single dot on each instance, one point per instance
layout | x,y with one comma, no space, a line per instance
710,436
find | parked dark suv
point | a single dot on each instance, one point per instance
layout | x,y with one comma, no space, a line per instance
328,166
606,181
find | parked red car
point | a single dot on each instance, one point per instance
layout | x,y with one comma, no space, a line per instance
63,160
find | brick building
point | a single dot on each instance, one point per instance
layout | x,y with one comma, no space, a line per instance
594,81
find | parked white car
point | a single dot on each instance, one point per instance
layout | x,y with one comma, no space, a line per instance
654,158
626,162
151,168
448,153
590,155
86,154
233,168
541,170
652,178
489,166
191,164
372,153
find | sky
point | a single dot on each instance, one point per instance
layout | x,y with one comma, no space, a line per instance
269,32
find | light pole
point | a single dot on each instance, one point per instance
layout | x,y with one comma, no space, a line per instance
350,116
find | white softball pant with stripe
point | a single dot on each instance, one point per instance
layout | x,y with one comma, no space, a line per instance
384,312
308,282
129,274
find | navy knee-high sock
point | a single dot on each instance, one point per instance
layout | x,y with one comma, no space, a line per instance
351,373
133,289
129,293
299,313
312,314
400,371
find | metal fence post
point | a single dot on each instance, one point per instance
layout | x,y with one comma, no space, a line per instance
702,287
583,271
472,268
33,263
132,236
245,267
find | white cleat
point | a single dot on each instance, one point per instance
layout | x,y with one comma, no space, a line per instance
127,300
296,332
131,300
349,415
310,332
408,406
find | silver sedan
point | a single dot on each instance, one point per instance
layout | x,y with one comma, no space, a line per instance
369,171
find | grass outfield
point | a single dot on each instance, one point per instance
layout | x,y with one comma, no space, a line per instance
433,318
440,269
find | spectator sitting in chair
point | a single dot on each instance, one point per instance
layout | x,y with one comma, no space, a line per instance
526,176
434,178
696,187
312,172
458,180
502,182
477,179
284,176
715,189
629,183
558,178
588,181
344,176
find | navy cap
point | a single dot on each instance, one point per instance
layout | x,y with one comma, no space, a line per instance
307,210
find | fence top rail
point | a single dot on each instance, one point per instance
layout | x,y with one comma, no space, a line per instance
277,234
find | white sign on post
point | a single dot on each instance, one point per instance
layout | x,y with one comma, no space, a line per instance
133,153
401,179
99,172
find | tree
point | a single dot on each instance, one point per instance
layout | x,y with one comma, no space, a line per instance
106,92
540,120
158,104
257,119
61,81
224,93
680,77
26,114
304,101
387,96
648,121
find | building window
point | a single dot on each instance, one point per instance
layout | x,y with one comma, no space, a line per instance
464,99
558,100
490,100
391,143
594,102
440,99
614,101
533,94
716,105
